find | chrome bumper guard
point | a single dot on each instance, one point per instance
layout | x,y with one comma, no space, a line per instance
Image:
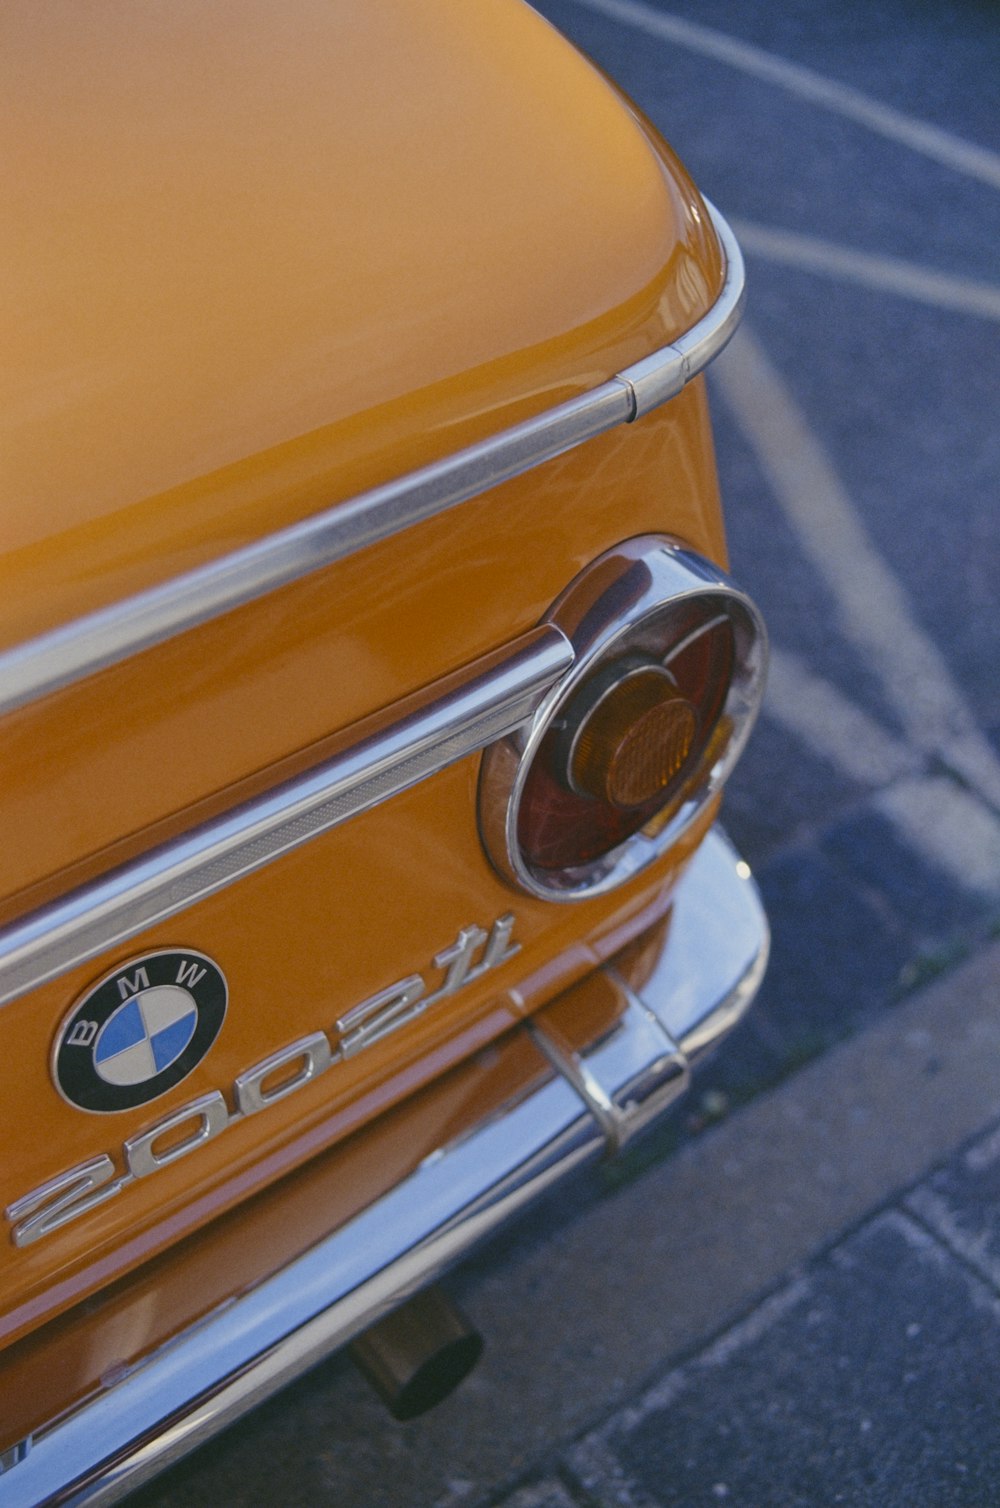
209,1376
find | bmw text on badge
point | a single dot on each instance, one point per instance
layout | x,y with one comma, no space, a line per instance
139,1031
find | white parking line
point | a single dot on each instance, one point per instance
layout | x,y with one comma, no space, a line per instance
873,610
889,274
931,141
947,825
832,726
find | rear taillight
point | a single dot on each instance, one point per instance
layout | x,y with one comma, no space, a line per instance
642,731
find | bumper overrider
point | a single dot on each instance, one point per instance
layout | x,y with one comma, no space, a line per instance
590,1102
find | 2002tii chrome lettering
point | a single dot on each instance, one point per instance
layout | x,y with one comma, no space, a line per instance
153,1033
363,578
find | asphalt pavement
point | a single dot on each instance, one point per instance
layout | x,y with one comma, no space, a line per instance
792,1294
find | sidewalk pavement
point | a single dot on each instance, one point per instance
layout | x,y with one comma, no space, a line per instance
802,1306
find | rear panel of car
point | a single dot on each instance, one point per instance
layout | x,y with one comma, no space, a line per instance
184,413
374,901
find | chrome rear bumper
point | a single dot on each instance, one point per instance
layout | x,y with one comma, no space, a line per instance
209,1376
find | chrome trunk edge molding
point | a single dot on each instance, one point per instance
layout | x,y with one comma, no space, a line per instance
209,1376
79,649
428,731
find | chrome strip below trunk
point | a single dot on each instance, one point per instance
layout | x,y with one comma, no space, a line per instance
428,731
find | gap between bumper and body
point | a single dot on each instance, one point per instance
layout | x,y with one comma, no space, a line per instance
206,1378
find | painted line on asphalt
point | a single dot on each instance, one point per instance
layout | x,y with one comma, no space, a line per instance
942,822
874,612
549,1493
949,827
931,141
973,1250
833,726
888,274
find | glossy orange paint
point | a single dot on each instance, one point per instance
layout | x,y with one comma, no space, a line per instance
64,1361
143,742
258,257
320,946
316,949
240,296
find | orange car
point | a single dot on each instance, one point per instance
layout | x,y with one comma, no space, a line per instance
369,675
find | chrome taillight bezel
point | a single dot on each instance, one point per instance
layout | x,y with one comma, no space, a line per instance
613,607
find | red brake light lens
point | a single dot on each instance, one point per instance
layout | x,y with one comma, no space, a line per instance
643,729
626,743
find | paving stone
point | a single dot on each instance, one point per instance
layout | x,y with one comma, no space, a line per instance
961,1203
870,1380
581,1305
547,1494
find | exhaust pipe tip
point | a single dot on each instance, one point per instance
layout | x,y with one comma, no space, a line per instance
418,1354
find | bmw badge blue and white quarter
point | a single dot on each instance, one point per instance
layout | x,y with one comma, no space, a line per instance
139,1031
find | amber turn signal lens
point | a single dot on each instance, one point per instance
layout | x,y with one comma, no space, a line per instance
632,744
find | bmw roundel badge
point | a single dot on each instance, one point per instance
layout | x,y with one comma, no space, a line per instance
139,1031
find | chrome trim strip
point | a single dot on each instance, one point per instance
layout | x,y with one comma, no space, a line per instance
91,643
662,375
429,730
244,1352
